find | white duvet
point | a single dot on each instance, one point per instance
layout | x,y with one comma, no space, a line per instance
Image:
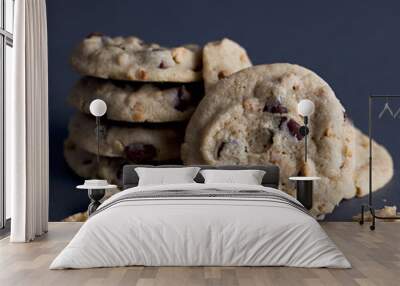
200,231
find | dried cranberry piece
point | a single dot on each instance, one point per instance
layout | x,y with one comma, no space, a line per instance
275,107
283,119
162,65
294,129
139,152
184,99
94,34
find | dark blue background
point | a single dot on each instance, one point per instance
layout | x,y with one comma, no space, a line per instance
353,45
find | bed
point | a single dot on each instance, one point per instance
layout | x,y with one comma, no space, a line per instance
201,224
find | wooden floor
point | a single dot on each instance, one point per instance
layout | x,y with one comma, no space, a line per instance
375,257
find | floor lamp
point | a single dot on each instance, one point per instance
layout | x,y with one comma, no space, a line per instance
305,108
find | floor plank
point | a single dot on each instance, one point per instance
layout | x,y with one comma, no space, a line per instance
375,257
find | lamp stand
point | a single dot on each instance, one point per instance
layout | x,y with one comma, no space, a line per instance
304,131
98,141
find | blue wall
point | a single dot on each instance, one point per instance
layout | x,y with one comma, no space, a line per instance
353,45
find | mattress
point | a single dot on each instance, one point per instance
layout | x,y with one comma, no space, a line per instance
201,225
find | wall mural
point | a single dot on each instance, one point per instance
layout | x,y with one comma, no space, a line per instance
215,103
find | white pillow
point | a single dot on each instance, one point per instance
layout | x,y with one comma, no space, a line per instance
248,177
163,176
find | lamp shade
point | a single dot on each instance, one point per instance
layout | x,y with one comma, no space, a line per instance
98,107
305,107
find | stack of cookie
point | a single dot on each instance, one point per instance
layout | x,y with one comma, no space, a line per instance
150,92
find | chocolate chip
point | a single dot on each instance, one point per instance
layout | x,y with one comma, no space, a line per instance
220,149
221,75
283,119
94,34
275,107
184,99
139,152
294,129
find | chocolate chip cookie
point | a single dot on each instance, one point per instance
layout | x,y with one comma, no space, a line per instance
138,102
251,118
129,58
221,59
136,143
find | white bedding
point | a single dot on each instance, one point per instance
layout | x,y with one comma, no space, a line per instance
200,231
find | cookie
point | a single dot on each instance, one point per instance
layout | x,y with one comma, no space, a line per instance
251,118
382,166
129,58
221,59
138,102
133,142
84,164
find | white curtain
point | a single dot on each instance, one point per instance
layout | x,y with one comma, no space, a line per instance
27,124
